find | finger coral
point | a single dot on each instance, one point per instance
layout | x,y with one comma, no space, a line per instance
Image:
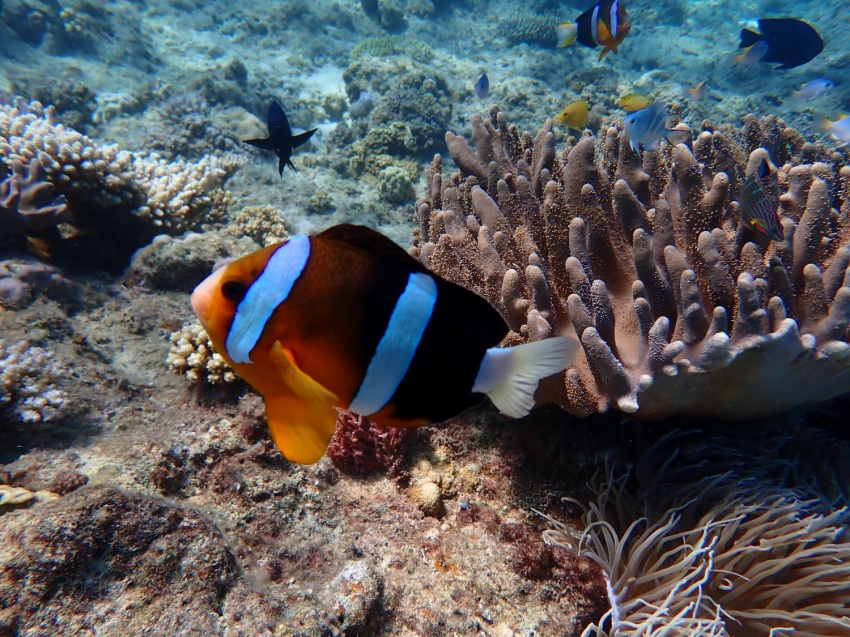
680,307
722,552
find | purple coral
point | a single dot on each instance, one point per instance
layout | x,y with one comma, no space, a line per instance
359,446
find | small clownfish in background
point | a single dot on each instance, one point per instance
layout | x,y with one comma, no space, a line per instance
605,24
348,319
574,115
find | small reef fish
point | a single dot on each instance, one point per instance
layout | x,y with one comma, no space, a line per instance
814,89
649,127
605,24
697,92
482,86
790,42
839,129
280,139
633,102
757,210
751,55
574,115
348,319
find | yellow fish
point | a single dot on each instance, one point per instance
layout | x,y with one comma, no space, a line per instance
697,92
574,115
634,102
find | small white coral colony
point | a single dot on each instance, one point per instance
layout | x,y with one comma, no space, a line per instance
192,354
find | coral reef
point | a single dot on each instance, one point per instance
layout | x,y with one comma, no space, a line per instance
713,546
529,27
191,354
108,191
361,447
264,224
189,131
29,204
680,307
30,381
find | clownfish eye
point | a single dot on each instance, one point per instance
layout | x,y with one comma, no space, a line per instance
233,291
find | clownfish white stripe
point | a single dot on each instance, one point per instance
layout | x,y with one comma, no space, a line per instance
614,22
269,290
397,346
594,25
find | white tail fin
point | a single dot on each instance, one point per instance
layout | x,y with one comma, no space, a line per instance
509,375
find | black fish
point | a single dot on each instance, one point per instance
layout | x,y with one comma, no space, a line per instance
281,139
791,42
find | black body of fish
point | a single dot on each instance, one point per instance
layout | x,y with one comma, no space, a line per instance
791,42
280,139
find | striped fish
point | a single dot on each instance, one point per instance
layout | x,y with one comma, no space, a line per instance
649,127
347,319
757,209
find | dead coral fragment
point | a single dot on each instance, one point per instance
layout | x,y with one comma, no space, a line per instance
18,496
191,354
680,308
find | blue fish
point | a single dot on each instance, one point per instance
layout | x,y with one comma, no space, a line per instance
649,127
280,139
482,86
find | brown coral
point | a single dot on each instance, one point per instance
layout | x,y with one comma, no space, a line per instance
680,308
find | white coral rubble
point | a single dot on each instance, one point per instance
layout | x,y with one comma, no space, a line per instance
30,382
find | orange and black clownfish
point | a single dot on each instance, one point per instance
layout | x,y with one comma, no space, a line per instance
605,24
348,319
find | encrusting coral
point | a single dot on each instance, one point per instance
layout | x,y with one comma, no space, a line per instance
30,381
715,543
680,307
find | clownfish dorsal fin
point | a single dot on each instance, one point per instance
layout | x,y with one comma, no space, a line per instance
301,417
374,243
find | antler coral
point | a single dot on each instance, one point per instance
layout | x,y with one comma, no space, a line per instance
680,307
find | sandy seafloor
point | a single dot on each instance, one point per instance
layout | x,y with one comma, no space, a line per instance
190,522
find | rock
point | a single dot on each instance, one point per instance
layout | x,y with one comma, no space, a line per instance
355,598
134,561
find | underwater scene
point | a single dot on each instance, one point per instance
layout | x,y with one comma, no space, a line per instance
424,318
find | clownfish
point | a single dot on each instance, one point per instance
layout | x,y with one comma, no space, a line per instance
605,24
347,319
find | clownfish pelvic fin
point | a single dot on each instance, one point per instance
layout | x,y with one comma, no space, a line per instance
510,375
301,417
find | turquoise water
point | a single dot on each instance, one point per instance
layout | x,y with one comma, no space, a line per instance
140,490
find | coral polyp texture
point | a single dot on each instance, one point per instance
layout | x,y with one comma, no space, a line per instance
681,308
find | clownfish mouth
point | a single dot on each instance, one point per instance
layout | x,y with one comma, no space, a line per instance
203,297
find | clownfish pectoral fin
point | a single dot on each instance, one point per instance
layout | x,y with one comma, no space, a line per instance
510,375
301,417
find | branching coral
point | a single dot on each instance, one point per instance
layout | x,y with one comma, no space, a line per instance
680,307
106,188
30,381
697,553
191,354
